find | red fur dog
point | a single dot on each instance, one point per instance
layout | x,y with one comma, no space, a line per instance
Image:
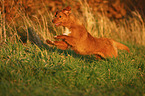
80,40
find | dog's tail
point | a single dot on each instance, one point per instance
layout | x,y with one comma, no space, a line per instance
120,46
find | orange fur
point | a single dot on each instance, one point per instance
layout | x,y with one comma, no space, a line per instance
80,40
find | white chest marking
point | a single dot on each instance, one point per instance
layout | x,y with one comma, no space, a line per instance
67,31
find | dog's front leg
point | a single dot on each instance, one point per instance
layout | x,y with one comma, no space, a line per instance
59,44
69,39
61,37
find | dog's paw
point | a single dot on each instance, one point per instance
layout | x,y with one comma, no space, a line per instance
59,37
50,42
55,36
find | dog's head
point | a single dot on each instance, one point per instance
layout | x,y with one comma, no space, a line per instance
62,17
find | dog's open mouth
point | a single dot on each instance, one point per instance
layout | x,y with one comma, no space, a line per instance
57,24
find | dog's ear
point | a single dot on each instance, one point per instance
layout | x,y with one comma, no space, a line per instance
67,10
56,13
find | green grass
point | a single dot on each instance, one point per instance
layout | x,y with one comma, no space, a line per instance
27,70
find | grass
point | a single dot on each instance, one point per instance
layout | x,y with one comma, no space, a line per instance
26,69
30,70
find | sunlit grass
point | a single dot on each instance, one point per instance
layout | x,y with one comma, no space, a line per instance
30,70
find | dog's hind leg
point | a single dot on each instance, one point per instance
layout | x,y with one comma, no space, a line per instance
99,55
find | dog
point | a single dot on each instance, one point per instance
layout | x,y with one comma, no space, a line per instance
80,40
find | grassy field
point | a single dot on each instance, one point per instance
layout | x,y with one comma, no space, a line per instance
27,70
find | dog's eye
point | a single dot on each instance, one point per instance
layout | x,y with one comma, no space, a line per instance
59,16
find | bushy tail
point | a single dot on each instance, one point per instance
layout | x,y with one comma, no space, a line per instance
120,46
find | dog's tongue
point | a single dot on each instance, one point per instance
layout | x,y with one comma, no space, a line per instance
57,24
